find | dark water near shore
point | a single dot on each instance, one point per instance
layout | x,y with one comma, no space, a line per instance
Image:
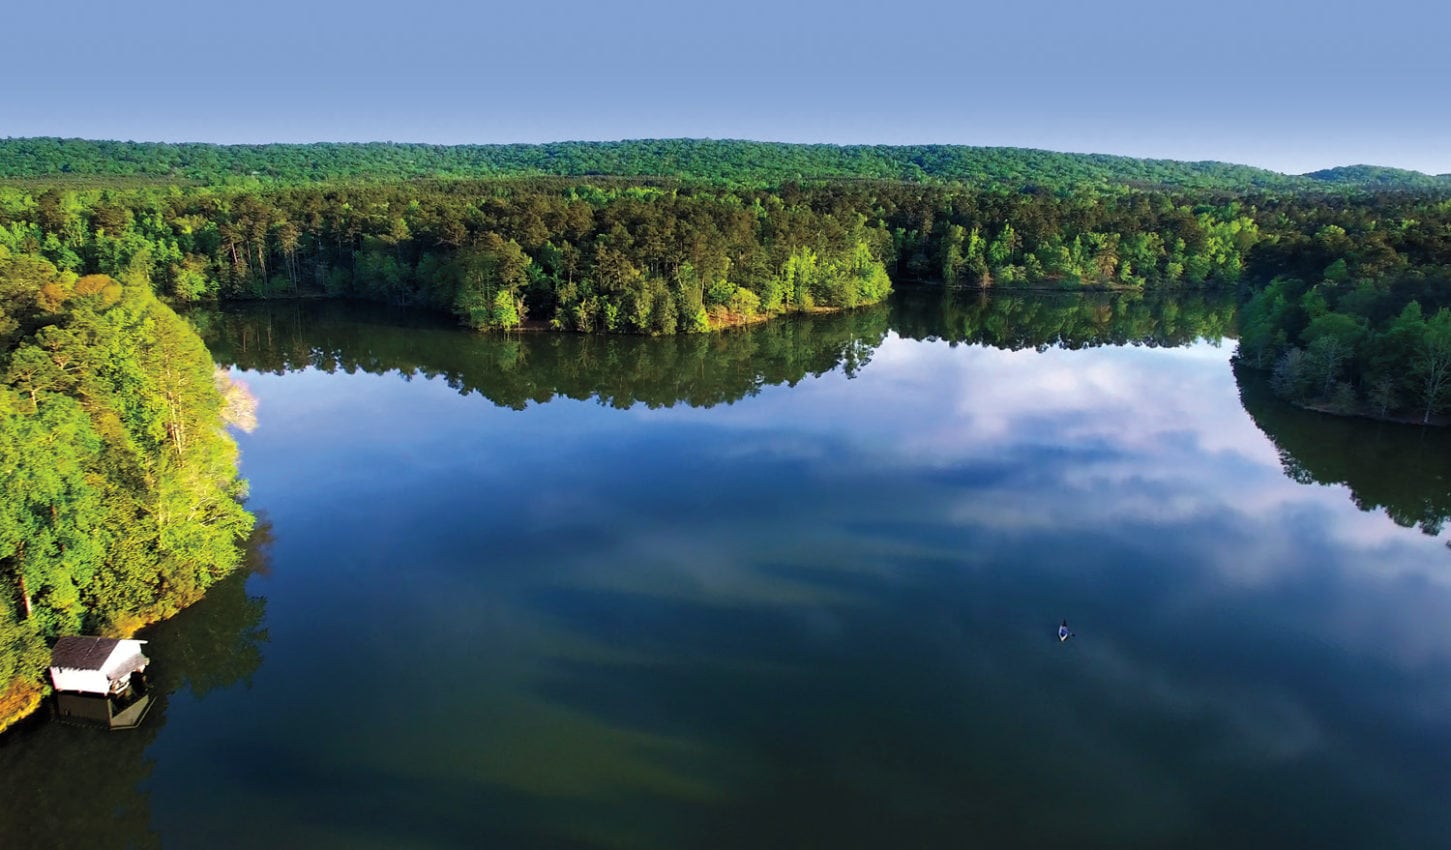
791,586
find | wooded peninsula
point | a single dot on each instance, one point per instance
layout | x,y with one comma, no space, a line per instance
119,495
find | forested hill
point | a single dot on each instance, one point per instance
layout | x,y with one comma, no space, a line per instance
744,162
1380,177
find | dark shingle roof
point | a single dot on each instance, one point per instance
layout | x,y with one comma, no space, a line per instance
82,653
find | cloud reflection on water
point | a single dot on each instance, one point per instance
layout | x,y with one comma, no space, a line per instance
830,603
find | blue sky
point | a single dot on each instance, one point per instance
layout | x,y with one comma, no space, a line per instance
1290,85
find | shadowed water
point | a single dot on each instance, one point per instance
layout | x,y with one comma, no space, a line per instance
791,586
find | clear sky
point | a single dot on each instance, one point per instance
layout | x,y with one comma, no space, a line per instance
1294,85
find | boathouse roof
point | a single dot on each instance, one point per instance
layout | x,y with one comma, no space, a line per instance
82,653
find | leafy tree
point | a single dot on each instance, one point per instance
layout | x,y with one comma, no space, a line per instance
1332,339
1432,364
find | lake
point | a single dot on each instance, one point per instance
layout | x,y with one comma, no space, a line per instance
796,585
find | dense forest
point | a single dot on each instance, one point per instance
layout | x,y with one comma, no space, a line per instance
731,161
622,255
118,487
625,256
1355,313
610,258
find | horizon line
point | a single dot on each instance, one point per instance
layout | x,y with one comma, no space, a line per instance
722,139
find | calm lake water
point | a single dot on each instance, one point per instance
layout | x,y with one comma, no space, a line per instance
793,586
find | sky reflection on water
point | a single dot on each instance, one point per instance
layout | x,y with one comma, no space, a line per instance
820,615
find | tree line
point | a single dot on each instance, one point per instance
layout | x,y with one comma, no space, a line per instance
624,256
629,258
737,162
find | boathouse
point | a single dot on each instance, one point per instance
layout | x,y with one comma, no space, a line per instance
100,681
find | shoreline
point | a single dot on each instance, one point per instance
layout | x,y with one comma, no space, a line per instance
1436,421
34,693
530,326
28,696
1069,289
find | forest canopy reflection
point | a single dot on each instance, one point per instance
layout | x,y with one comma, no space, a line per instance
1404,470
1043,321
512,370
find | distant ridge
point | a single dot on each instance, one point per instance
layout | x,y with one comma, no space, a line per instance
1379,176
733,161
